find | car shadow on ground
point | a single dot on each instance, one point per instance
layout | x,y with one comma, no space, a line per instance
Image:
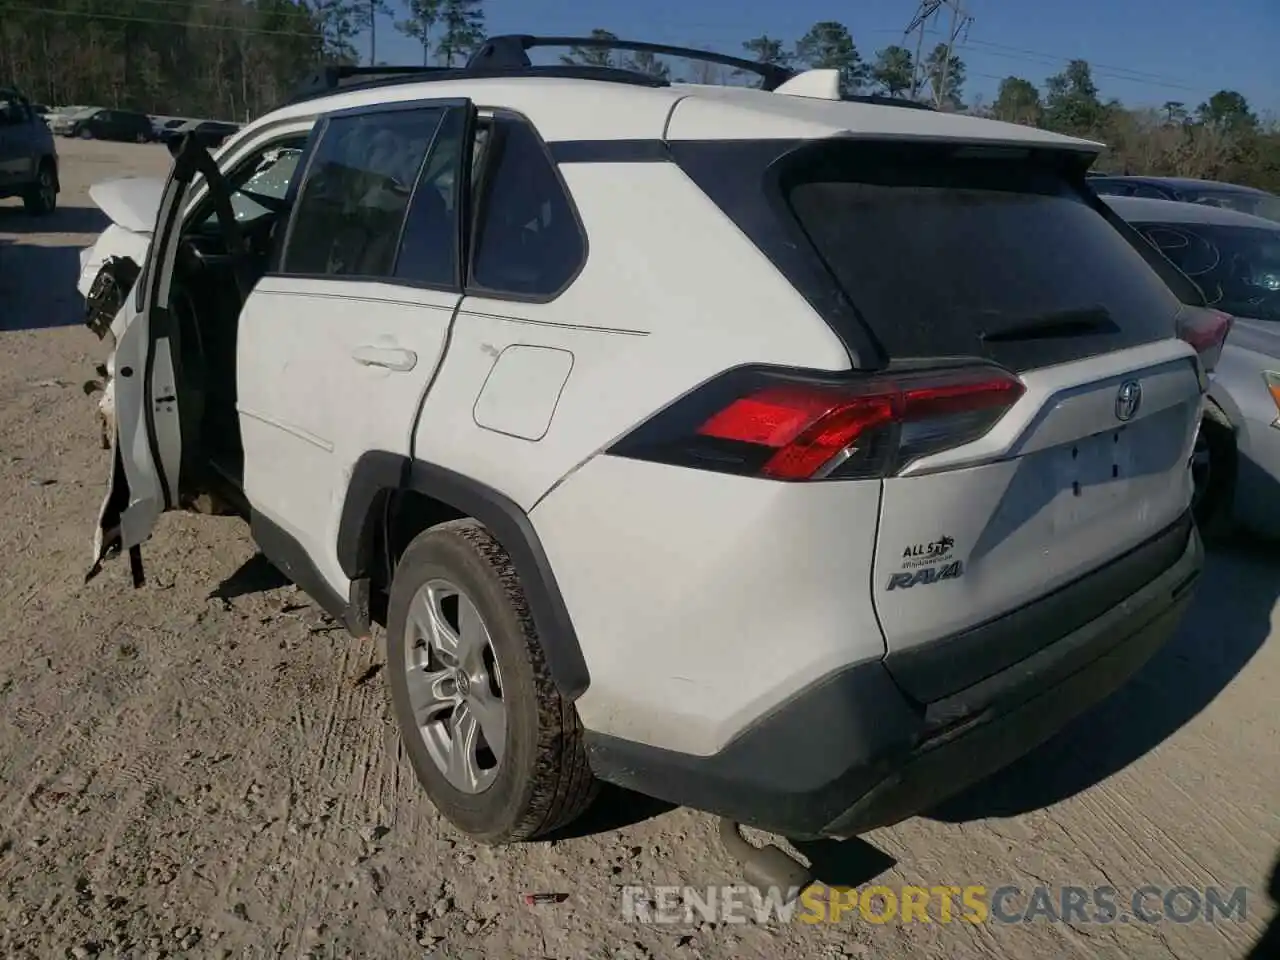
1268,945
255,575
38,284
1228,622
13,219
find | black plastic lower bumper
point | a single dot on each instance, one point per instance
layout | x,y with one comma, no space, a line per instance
854,752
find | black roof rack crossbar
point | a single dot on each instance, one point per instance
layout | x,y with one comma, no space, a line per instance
507,56
510,52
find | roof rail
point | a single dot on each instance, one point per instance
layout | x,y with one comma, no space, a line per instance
334,77
511,52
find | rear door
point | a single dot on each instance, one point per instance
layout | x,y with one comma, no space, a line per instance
145,437
1007,261
338,342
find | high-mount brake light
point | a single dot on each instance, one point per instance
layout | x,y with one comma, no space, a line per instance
766,423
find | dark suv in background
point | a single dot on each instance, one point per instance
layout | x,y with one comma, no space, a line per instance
28,159
100,123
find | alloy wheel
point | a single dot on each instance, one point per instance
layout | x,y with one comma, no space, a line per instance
455,688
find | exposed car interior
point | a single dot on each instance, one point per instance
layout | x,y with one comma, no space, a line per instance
210,283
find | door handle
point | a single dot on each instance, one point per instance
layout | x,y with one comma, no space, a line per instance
391,358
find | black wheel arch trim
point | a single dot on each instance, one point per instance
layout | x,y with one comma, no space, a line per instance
379,472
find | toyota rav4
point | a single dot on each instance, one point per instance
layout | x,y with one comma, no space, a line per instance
797,458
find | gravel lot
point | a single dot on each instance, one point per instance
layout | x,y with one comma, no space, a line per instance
206,767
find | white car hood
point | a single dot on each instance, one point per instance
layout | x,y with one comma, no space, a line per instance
131,202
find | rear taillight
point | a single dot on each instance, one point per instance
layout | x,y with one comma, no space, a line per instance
785,426
1206,330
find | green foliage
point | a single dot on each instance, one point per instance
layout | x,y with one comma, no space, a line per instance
946,77
232,60
648,63
462,30
424,16
592,56
1018,101
829,46
894,69
235,59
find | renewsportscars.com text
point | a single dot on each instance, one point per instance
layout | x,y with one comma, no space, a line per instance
971,903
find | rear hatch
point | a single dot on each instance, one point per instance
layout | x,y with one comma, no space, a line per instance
951,253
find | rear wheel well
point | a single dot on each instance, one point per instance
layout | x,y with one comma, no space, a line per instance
399,516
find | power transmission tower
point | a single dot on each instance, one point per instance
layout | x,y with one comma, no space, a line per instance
927,12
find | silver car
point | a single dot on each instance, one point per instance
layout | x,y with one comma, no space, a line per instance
1235,260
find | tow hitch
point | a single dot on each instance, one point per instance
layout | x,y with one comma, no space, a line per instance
767,867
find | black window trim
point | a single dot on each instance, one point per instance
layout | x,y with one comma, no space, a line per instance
318,133
481,199
460,207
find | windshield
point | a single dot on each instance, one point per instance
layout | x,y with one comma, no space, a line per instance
270,179
1258,204
1237,268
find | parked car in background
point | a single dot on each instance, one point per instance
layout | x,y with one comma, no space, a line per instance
100,123
28,157
1235,260
1214,193
161,125
211,132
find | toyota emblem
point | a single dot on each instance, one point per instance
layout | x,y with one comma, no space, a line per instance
1128,399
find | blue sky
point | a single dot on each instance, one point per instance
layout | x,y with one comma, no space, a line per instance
1144,51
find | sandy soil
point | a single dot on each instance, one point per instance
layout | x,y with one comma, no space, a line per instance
206,767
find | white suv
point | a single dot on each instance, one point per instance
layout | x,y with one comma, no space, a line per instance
797,459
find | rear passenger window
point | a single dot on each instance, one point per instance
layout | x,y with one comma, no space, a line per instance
529,244
353,203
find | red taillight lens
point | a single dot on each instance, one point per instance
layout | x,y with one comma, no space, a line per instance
1205,330
788,427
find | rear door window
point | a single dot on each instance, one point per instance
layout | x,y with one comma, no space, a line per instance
352,206
944,255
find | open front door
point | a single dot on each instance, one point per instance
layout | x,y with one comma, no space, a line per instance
142,400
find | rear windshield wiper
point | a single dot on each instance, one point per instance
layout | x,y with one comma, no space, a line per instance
1058,324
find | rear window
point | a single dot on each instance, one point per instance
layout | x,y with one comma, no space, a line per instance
946,255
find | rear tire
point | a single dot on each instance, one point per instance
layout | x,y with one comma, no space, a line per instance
1214,469
538,778
42,197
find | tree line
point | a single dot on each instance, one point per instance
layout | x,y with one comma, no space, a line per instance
236,59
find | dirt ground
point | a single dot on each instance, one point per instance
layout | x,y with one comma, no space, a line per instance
206,767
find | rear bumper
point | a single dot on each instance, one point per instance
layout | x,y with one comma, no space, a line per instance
854,752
